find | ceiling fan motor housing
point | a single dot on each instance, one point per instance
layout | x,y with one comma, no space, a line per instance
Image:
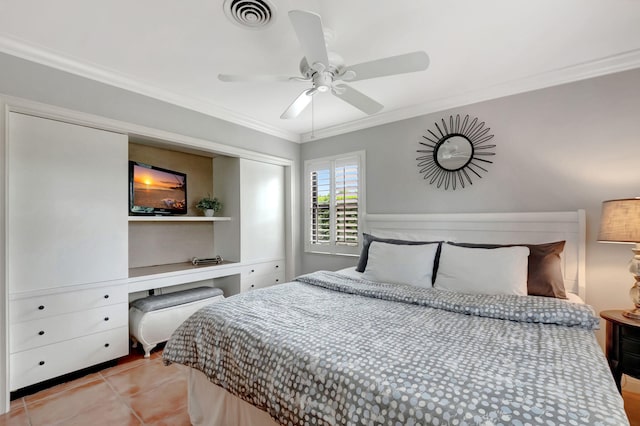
321,74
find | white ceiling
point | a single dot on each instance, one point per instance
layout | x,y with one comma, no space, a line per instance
173,51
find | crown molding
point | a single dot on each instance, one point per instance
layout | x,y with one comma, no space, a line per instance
95,72
186,143
615,63
602,66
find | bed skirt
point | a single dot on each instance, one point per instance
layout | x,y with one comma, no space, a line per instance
211,405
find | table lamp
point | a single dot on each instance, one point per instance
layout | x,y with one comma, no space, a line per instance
620,223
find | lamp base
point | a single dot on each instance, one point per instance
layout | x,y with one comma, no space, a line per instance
633,314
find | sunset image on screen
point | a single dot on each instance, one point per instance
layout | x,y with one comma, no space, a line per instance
158,189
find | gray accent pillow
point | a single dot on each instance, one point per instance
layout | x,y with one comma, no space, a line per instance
367,239
154,303
544,275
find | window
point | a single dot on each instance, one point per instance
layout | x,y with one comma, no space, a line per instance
334,200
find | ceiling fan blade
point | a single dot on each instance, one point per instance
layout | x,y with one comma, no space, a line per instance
234,78
308,28
409,62
357,99
299,104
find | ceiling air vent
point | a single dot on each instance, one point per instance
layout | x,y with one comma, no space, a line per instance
252,14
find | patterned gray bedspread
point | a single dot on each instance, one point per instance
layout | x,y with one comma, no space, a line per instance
329,349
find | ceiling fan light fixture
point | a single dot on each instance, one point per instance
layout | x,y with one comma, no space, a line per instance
322,81
250,14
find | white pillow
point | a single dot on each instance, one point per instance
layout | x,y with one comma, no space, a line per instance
401,264
483,271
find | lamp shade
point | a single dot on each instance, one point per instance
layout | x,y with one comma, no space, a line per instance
620,221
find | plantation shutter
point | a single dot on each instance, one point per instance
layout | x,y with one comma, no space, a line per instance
334,202
346,201
320,191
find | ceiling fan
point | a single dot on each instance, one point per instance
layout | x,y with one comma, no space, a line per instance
324,69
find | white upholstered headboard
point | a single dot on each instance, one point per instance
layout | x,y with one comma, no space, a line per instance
498,228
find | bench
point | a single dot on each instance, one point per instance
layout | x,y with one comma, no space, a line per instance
153,319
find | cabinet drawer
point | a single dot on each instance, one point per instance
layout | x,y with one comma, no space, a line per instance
39,364
45,306
631,332
630,346
261,281
265,268
631,364
31,334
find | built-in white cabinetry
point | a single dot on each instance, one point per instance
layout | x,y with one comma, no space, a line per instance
66,247
69,277
256,197
67,210
60,332
259,275
261,211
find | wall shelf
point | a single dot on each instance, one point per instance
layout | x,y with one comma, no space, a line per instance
178,219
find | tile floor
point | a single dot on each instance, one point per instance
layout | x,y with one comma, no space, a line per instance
632,407
137,391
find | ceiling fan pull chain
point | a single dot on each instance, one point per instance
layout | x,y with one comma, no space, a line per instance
313,111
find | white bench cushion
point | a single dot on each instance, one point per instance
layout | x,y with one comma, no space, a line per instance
153,322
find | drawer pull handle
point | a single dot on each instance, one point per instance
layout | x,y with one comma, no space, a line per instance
251,285
106,345
41,332
106,318
41,307
106,296
277,266
253,270
277,280
41,363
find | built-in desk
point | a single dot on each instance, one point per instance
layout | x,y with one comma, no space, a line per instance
152,277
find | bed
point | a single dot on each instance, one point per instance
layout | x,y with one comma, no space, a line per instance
343,348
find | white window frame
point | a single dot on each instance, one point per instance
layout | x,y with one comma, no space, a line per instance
331,247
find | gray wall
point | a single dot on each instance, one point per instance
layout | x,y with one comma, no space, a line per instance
562,148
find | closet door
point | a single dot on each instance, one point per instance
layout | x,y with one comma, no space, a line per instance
262,207
67,204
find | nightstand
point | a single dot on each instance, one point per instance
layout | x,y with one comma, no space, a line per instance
623,345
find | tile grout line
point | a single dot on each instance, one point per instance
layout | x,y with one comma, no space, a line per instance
121,399
26,410
73,384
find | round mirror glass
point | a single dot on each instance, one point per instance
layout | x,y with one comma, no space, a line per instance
454,152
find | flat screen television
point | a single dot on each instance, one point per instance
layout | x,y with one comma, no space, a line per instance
156,191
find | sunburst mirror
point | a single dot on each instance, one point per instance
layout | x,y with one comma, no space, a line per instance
455,153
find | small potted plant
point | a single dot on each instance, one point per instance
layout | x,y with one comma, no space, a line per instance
209,205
